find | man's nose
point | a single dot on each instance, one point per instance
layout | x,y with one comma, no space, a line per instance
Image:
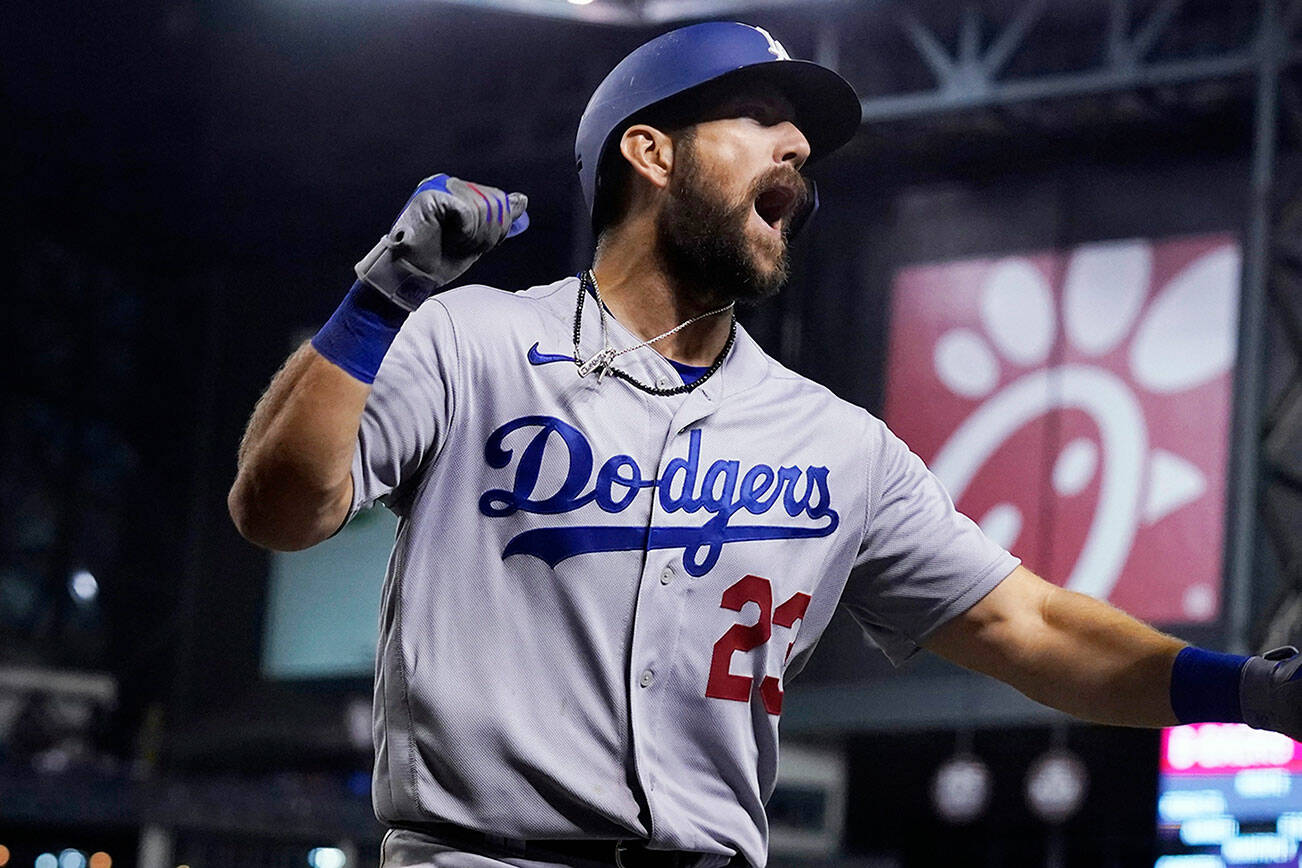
792,146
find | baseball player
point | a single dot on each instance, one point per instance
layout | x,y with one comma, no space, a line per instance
623,525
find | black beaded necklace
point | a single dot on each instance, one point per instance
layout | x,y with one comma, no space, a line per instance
588,281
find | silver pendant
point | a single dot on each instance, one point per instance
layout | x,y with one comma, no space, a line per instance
602,361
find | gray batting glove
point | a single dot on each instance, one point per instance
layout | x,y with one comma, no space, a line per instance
446,225
1270,691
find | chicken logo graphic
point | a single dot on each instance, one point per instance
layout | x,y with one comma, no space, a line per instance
1076,404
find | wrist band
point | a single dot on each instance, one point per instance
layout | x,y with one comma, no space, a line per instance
359,333
1205,686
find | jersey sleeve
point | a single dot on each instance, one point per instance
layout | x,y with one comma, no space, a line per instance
409,411
921,561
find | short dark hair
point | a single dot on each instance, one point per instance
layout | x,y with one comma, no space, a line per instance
674,116
615,175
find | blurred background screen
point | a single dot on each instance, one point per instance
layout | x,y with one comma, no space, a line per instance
323,603
1228,796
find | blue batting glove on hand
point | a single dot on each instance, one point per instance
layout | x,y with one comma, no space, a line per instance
445,226
1270,691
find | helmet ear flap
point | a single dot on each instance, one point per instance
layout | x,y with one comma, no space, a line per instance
806,213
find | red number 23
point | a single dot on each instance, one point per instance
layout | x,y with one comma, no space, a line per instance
747,637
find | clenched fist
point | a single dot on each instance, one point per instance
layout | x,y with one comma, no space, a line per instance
445,226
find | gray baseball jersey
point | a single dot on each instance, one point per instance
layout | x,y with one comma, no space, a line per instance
595,592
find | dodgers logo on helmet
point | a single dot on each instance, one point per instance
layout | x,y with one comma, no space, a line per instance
775,47
722,490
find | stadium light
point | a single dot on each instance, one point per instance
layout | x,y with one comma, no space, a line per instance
1056,785
961,788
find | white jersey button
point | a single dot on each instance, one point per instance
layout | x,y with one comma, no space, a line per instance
647,677
662,382
666,575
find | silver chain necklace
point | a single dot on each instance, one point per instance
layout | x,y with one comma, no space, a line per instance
603,360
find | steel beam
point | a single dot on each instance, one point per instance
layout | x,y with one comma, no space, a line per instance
942,66
886,108
1124,67
1012,37
1245,466
1153,28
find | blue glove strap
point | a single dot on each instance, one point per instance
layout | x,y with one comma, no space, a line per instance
1205,686
359,333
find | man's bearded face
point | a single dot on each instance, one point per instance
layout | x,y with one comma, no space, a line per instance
704,237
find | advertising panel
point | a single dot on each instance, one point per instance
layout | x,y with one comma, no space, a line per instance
1076,403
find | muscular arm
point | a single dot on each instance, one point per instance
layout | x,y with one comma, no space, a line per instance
294,483
1065,650
294,486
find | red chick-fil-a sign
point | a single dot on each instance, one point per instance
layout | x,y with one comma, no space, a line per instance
1076,404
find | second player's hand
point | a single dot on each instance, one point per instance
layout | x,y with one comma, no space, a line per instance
445,226
1270,691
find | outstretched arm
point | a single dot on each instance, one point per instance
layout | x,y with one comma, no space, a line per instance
1084,657
1065,650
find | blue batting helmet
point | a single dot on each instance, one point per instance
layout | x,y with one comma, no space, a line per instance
679,62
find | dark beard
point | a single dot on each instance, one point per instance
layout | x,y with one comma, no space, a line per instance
703,242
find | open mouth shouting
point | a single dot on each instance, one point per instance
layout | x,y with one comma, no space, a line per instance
779,200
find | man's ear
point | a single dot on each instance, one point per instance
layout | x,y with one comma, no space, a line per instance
650,153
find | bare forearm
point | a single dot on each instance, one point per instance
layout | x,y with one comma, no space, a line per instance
1066,650
1098,663
294,485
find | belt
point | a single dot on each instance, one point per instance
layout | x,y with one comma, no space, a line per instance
629,853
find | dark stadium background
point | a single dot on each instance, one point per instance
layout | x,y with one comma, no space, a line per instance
187,185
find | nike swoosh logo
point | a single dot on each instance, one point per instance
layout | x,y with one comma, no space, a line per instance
537,358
